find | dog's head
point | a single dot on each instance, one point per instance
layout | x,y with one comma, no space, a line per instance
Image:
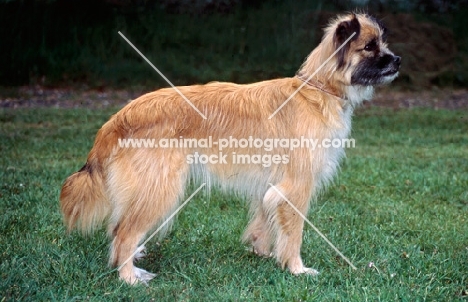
366,57
356,47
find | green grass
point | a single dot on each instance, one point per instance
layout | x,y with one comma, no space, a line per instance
400,201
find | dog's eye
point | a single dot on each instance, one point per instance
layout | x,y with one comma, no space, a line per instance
371,46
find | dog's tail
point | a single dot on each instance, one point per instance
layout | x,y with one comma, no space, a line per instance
83,199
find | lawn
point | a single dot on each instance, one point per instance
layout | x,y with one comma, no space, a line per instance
398,210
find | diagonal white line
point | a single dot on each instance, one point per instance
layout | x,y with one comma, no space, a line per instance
310,77
162,225
163,76
315,229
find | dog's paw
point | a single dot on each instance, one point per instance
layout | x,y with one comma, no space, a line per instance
143,276
262,253
135,276
305,270
258,252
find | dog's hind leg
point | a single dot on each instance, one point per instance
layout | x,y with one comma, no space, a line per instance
289,224
144,193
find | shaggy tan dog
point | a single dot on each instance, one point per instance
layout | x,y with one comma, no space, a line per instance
136,188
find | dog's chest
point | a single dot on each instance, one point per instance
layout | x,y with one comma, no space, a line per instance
332,148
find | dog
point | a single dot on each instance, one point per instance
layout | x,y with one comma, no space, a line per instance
136,189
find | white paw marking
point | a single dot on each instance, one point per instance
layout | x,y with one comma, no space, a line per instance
143,276
305,270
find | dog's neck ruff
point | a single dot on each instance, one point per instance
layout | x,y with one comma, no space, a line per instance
353,95
319,85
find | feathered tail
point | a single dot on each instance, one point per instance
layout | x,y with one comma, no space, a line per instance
83,198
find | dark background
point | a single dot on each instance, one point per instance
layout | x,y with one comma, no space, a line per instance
66,43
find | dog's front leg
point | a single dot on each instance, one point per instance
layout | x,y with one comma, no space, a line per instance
289,224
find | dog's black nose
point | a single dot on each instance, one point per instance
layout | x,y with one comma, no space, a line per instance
397,60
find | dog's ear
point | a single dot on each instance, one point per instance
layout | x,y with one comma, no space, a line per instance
343,31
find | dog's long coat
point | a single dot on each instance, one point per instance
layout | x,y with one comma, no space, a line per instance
138,188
